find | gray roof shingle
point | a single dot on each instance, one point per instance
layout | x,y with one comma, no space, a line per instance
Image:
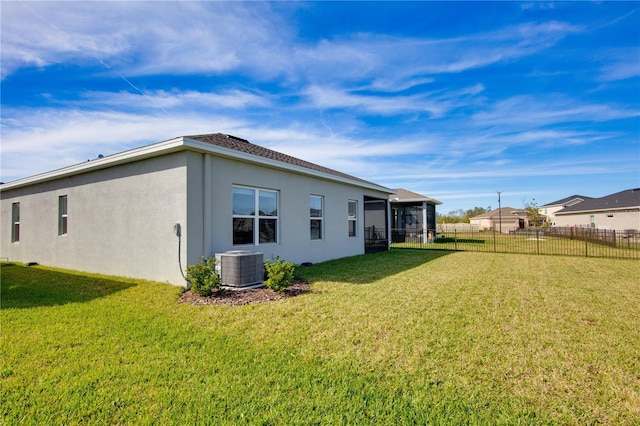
243,145
619,200
565,200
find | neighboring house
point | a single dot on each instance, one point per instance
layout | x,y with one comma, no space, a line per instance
503,220
150,211
619,211
413,215
549,210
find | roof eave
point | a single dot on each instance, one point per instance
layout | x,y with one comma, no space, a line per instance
416,200
175,145
200,146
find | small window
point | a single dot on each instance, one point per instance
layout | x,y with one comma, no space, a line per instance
352,217
62,215
253,206
15,222
316,215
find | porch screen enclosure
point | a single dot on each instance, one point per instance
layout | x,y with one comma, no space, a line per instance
375,225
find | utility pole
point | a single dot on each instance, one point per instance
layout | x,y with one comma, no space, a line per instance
499,212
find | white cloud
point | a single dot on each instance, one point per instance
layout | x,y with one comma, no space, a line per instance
544,110
174,99
141,38
620,64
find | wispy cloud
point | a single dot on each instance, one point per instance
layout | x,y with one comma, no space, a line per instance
141,40
549,109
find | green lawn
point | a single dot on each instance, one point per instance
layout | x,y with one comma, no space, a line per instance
401,337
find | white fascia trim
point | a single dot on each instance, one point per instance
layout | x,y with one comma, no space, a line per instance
416,200
251,158
153,150
175,145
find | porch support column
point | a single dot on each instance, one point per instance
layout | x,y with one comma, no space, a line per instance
425,224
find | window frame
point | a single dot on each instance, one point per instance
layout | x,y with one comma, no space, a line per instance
352,220
318,220
258,219
15,222
63,217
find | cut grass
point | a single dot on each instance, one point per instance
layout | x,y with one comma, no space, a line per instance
401,337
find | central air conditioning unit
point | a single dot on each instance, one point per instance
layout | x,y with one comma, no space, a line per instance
239,268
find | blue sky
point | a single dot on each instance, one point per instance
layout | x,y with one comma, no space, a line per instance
454,100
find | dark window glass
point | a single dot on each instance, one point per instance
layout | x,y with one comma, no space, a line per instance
242,231
268,230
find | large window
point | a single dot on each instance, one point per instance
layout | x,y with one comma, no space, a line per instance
62,215
316,214
352,217
15,222
255,215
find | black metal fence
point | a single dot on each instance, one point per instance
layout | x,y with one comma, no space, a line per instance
375,239
571,241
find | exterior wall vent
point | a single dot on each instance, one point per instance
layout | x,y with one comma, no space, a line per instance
240,268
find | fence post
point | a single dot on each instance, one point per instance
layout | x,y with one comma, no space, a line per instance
538,241
614,238
495,250
455,239
586,243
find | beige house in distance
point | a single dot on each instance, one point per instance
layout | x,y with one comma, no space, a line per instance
619,211
503,220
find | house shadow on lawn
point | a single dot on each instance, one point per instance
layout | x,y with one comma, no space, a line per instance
367,268
23,287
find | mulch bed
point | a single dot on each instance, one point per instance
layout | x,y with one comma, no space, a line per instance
226,296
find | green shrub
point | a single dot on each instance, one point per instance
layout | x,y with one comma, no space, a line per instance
279,274
202,276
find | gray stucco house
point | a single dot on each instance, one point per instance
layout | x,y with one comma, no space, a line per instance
121,214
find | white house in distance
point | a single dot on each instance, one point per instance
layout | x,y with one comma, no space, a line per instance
150,211
549,210
619,211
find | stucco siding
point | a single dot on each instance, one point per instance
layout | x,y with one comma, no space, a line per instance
294,243
121,217
120,220
616,220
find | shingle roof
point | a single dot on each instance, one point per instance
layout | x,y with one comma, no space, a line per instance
406,195
564,201
619,200
504,211
243,145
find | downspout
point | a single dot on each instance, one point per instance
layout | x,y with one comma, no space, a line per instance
207,196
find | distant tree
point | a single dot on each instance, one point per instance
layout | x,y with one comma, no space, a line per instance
533,213
477,211
460,215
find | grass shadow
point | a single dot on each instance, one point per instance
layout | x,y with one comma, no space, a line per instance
367,268
23,287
